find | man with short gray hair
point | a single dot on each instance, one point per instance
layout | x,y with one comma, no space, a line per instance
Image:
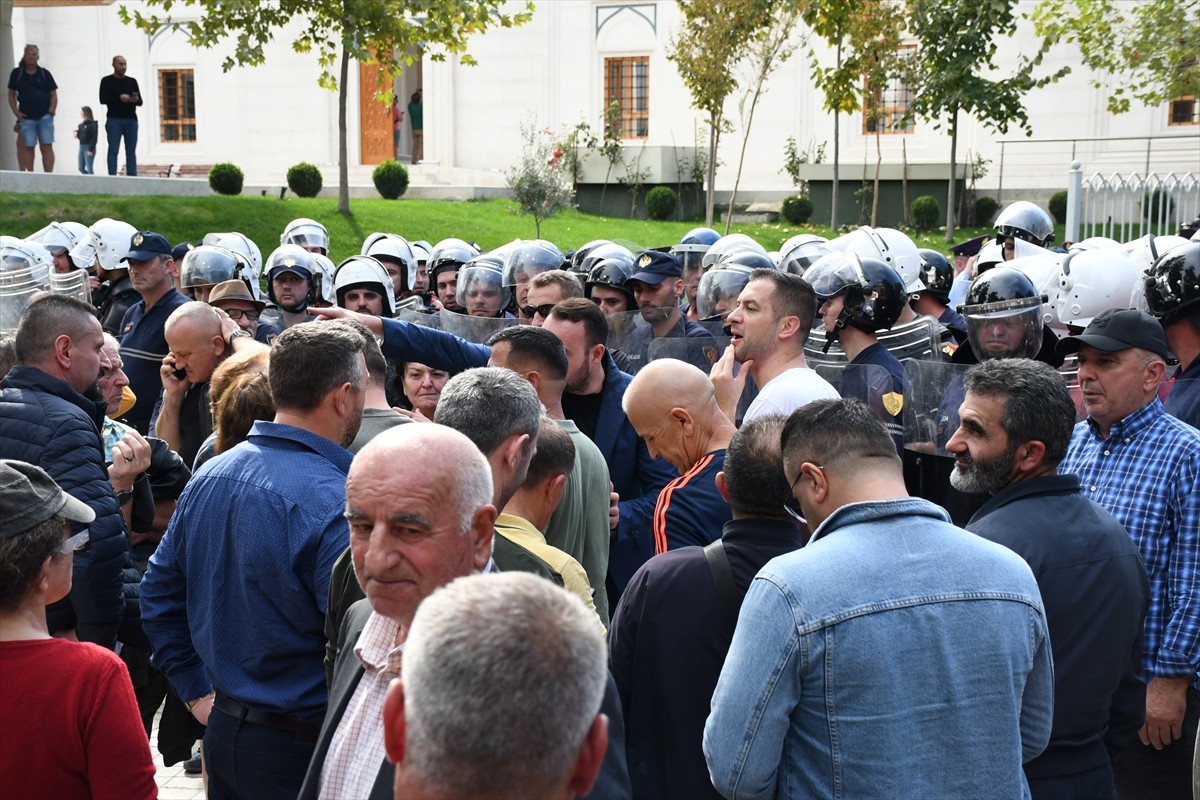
416,523
501,692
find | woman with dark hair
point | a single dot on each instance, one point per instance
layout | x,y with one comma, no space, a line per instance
71,724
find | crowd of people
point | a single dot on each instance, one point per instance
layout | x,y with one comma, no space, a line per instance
847,519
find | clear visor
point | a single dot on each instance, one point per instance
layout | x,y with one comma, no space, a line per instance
834,276
207,266
521,266
309,237
797,260
719,290
84,256
1005,333
480,291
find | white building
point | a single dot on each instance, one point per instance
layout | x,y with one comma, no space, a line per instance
561,68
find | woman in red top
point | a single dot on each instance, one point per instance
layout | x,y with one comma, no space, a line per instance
69,723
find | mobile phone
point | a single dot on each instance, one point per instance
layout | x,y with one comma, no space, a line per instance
181,374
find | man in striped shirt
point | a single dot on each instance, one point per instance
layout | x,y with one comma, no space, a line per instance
672,406
1143,466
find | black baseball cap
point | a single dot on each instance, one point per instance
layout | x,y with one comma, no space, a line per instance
1119,329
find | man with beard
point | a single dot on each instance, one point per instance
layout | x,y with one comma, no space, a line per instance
768,328
1014,426
51,410
265,517
657,286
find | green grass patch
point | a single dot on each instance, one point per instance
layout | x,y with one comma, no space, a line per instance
490,223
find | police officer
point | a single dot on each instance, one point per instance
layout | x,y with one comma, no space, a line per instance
1173,296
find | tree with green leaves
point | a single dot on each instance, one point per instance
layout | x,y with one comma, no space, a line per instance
770,47
714,37
951,71
1150,49
833,21
389,33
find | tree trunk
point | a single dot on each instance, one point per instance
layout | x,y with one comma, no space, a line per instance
833,217
343,166
950,191
875,188
714,132
742,156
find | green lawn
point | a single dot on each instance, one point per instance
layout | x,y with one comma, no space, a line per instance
487,222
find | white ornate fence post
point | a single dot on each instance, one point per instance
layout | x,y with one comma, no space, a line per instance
1074,201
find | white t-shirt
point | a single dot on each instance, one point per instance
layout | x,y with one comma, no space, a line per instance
788,391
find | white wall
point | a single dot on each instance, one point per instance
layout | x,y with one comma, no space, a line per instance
268,118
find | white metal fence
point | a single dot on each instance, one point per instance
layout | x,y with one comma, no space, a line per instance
1124,206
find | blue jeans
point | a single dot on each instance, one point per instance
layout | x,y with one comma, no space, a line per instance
116,128
85,160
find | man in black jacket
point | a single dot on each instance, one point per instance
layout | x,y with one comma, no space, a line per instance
48,417
673,625
1015,423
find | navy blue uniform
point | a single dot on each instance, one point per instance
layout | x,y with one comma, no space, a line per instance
876,378
1183,402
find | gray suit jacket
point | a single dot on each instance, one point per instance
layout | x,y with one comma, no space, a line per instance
611,784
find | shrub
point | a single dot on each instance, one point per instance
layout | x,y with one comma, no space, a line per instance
797,210
985,210
661,202
1058,207
925,212
304,179
390,179
225,179
539,182
1157,205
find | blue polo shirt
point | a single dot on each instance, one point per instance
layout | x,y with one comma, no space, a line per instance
143,347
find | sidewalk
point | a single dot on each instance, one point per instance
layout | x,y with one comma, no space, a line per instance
173,782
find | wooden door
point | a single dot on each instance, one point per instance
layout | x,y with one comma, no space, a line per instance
375,119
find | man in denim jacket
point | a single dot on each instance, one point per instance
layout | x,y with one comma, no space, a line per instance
893,656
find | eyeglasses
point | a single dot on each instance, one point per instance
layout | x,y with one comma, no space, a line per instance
791,510
236,314
75,543
544,310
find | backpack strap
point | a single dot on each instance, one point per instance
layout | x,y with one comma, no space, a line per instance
722,575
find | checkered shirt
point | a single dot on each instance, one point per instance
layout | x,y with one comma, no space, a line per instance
356,751
1147,474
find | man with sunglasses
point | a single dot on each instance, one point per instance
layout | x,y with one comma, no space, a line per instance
235,299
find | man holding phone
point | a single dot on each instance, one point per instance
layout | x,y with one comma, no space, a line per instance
121,94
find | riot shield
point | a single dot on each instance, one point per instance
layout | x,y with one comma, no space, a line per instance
73,284
700,352
472,329
919,339
17,288
935,392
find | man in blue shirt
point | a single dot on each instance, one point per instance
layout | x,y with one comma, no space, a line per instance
234,599
657,286
1143,466
142,332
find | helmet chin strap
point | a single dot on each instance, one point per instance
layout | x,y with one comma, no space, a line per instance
830,336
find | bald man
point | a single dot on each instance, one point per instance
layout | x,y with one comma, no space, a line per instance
200,337
673,407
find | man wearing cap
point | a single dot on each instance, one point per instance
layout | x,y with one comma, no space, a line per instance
963,254
1143,466
51,410
657,286
235,299
143,341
